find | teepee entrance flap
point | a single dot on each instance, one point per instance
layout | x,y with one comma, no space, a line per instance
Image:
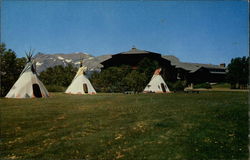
36,90
163,88
85,88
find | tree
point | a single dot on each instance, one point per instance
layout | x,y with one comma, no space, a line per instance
58,75
147,67
238,71
136,81
111,79
11,67
20,64
124,78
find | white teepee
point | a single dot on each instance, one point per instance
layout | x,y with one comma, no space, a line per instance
28,85
80,84
156,84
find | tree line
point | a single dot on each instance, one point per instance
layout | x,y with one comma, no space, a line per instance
238,73
11,67
124,78
112,79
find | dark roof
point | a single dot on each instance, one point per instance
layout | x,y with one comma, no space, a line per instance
137,51
192,67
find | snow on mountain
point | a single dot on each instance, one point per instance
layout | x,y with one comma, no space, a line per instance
61,58
38,64
68,60
44,61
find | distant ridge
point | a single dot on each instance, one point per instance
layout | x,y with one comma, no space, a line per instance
44,61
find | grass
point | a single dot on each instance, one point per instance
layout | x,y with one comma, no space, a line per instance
55,88
209,125
221,85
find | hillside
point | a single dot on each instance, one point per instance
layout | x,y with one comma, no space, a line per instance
43,61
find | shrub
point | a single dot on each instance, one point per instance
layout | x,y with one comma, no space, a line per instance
110,79
179,85
176,86
124,78
58,75
55,88
203,85
136,81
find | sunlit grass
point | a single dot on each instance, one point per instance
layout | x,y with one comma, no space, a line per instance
210,125
221,85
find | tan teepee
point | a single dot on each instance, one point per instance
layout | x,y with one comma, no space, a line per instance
28,85
156,84
80,84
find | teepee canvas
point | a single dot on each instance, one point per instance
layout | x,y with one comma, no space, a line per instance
28,85
80,84
156,84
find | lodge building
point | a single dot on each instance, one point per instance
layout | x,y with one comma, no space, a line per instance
172,68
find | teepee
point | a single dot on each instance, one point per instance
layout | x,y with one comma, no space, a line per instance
28,85
156,84
80,84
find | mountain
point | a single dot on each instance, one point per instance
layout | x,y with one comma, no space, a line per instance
44,61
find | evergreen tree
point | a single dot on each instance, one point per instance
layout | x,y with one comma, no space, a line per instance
58,75
11,67
135,81
238,71
111,79
147,67
123,78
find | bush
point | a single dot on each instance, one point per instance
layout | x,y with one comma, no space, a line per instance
58,75
55,88
124,78
203,85
135,81
110,79
177,86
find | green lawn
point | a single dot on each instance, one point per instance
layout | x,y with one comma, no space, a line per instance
208,125
221,85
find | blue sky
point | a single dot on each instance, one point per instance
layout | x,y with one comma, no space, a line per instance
206,32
